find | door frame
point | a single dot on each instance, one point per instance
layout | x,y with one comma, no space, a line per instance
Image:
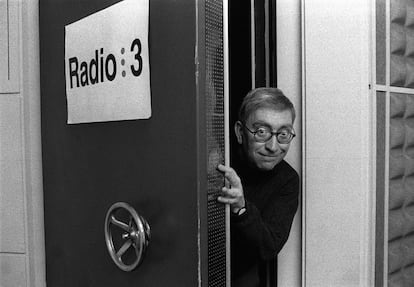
33,179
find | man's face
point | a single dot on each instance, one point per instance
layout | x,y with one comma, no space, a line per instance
264,155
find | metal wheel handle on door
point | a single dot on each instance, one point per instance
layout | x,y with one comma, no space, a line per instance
136,234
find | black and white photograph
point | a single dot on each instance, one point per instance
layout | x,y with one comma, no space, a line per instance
206,143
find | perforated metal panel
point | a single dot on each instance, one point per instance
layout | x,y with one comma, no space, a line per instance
215,141
401,191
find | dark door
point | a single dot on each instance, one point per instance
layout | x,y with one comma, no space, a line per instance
150,164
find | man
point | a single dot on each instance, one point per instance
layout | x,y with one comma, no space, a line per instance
263,188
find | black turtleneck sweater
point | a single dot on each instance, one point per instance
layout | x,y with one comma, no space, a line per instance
259,234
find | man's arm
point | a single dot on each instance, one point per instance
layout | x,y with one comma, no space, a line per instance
266,231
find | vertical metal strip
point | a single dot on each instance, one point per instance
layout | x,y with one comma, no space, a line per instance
373,46
267,43
272,43
226,127
387,135
374,133
379,158
378,117
34,235
197,64
8,40
386,184
253,43
304,165
387,42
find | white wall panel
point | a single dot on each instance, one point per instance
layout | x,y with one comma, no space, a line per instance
22,257
337,170
9,46
12,231
333,222
12,270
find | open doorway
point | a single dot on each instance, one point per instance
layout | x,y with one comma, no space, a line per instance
265,51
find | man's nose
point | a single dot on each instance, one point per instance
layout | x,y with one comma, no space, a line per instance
272,144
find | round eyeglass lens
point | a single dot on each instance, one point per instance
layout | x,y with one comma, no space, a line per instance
263,134
284,136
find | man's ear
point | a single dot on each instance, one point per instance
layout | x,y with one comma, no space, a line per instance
238,130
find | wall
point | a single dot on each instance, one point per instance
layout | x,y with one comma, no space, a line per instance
21,221
337,135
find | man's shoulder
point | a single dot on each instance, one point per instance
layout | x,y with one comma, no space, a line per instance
285,170
285,178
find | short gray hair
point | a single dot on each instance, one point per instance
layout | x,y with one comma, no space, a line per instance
265,98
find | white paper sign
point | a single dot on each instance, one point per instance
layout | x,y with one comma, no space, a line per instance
107,64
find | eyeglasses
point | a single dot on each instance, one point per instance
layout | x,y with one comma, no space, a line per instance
263,134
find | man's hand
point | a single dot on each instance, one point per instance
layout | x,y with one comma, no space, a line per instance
233,195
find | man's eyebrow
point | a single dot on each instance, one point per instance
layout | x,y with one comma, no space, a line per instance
262,123
286,126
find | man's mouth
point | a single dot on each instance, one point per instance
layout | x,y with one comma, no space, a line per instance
270,156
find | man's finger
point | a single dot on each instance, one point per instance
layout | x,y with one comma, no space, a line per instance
228,200
233,178
230,174
230,192
225,169
222,168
